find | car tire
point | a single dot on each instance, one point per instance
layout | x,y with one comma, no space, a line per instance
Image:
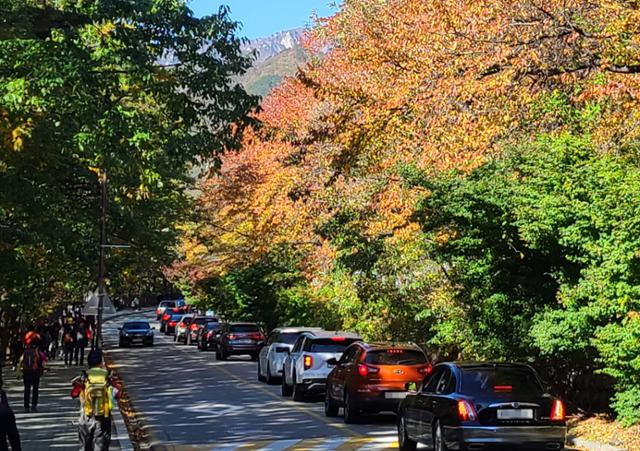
121,344
404,442
270,379
331,409
254,356
188,339
285,390
162,328
351,413
261,378
438,439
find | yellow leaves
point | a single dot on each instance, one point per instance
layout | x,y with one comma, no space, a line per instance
19,133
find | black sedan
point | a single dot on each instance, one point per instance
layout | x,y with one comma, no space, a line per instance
135,332
207,335
481,406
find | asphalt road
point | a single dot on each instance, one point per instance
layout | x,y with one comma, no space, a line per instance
190,401
186,397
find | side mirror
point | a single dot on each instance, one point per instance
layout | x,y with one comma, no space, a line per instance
282,349
411,387
332,361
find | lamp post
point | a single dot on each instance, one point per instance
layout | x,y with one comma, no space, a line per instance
101,264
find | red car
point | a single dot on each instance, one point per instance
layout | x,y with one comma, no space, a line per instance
372,377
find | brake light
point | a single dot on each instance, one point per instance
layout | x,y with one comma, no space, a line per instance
338,339
308,362
232,336
466,411
557,410
425,369
172,323
502,388
395,351
364,370
194,326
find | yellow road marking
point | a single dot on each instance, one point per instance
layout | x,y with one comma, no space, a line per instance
355,443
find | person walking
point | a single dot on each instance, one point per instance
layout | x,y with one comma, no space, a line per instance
68,345
17,348
32,365
8,428
80,342
97,398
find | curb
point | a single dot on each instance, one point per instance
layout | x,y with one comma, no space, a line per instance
121,432
592,446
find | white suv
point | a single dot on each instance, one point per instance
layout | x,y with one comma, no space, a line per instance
305,368
272,355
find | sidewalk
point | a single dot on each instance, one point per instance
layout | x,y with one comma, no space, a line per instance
54,426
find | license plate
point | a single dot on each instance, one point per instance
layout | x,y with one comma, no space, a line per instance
245,342
515,414
395,395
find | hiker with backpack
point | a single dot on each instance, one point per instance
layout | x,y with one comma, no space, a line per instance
32,365
80,342
97,398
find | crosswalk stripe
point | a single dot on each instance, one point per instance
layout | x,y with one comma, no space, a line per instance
354,443
280,445
307,445
331,444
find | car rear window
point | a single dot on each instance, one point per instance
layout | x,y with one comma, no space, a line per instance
212,325
244,328
187,320
135,326
395,356
167,304
199,321
287,337
328,345
500,380
176,317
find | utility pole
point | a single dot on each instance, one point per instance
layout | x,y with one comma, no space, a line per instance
101,265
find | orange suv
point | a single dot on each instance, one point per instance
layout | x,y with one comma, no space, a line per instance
371,377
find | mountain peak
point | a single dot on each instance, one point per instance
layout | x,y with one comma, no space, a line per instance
274,44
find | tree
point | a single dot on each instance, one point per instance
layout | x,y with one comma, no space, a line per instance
142,90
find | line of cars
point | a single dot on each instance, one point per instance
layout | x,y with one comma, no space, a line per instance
449,406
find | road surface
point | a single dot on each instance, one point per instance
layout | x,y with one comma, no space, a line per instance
186,397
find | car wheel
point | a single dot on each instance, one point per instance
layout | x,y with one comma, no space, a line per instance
161,328
286,390
330,407
254,356
260,376
438,440
218,355
351,413
188,340
121,344
404,442
270,379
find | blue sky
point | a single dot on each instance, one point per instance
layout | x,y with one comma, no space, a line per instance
262,18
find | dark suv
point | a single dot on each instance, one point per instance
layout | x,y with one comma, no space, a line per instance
478,406
239,339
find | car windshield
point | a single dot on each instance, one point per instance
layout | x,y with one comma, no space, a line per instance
495,380
287,337
135,326
329,345
212,326
396,356
244,328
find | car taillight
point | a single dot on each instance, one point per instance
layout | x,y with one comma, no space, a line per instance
308,362
209,334
557,410
338,339
232,336
364,370
502,388
165,318
193,327
425,369
172,323
257,336
466,411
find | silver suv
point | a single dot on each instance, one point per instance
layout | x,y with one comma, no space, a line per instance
272,355
305,368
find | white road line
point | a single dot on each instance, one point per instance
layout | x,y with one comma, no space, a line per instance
331,443
280,445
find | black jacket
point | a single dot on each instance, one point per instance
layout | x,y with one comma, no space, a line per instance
8,429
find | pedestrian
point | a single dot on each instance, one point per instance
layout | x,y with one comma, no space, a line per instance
17,348
32,365
68,345
97,398
8,428
80,342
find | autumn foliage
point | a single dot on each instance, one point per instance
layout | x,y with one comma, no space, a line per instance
399,89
